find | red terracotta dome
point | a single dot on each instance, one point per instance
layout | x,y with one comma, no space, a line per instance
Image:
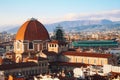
32,30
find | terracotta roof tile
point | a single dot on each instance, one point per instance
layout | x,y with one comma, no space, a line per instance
49,53
58,42
68,64
17,65
32,30
75,53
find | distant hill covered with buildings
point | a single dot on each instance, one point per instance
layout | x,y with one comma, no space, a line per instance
80,25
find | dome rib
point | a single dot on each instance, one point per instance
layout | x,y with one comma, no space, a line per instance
21,30
32,30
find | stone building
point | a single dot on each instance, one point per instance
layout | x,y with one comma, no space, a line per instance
31,38
86,58
34,67
57,46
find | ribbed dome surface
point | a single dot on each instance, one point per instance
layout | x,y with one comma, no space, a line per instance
32,30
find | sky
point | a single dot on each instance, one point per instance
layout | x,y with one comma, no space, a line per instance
13,12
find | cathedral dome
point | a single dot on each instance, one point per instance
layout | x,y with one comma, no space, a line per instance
32,30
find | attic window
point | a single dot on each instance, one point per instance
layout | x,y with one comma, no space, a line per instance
30,45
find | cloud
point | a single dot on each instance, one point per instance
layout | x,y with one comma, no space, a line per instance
113,15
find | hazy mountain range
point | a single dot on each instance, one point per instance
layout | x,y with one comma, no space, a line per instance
79,25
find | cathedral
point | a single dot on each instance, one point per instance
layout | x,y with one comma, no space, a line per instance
35,53
31,38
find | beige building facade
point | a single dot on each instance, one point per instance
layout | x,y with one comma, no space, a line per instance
25,68
57,46
32,36
86,58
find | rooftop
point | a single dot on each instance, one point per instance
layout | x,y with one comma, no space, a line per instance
32,30
75,53
95,43
58,42
17,65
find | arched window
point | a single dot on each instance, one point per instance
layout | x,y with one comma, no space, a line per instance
55,45
50,45
30,45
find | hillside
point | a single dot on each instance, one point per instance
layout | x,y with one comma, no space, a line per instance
80,25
